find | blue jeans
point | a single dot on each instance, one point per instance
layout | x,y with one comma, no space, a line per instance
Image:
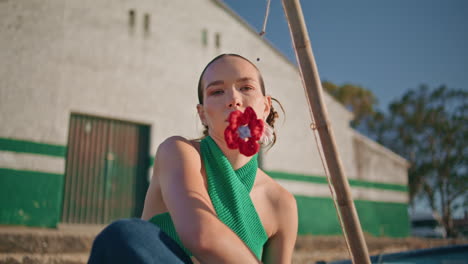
135,241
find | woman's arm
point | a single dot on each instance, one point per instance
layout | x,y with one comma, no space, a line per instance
178,168
280,246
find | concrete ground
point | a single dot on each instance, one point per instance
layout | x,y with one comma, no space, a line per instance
65,245
70,244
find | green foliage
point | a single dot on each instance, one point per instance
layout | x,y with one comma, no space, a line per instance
355,98
428,128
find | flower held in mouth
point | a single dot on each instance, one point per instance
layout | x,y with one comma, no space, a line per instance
244,131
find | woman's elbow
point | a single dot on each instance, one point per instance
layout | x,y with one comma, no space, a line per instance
199,241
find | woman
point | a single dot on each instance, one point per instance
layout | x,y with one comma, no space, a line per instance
192,199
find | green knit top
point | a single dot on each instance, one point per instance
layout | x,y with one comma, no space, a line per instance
229,192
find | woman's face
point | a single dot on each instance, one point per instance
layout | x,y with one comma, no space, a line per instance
230,83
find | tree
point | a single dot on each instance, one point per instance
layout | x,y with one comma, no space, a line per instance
355,98
429,129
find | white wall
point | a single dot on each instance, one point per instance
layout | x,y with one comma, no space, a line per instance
66,56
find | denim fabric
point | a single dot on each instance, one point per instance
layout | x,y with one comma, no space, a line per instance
135,241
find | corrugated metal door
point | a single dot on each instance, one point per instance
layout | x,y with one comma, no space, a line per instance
106,170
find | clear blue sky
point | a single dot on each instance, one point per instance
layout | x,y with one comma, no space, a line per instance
384,46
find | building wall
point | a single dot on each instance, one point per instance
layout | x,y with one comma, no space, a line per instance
376,163
83,57
86,57
32,147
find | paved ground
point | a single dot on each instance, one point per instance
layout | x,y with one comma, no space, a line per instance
310,249
71,245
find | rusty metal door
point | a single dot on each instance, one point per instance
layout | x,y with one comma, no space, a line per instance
106,170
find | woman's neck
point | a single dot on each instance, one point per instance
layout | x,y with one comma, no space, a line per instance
234,157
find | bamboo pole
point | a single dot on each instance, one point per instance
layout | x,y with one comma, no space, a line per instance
313,87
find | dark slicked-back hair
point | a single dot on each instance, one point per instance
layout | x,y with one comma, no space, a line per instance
200,85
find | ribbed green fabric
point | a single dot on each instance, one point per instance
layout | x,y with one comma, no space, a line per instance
229,192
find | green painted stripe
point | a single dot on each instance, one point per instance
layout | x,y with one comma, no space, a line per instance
378,185
297,177
30,198
323,180
24,146
27,173
318,216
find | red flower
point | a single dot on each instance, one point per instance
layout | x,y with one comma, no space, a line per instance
243,131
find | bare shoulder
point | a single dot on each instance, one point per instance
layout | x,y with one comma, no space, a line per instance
175,155
178,149
278,195
174,158
177,144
